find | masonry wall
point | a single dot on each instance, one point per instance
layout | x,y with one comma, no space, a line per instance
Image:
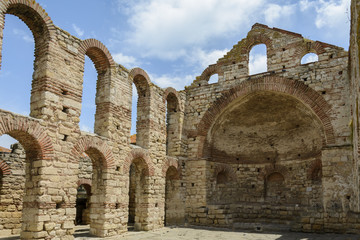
12,190
354,74
275,147
267,179
54,143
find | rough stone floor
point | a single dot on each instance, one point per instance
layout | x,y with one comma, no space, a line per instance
82,233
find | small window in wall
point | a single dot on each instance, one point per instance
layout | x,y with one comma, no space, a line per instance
310,57
88,106
213,79
258,59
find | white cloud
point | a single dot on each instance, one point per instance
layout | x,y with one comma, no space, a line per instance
78,30
332,13
168,28
85,128
306,4
25,36
273,13
310,57
207,58
329,13
176,82
257,64
127,61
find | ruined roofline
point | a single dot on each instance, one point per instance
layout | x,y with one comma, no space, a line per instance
293,45
276,29
260,25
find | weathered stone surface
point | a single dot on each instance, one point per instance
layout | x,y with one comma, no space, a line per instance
278,148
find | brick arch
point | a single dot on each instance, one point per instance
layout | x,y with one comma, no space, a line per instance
98,53
17,8
256,39
34,16
270,169
142,83
4,168
93,146
170,162
230,173
171,90
84,181
294,88
309,47
211,70
140,72
137,153
31,135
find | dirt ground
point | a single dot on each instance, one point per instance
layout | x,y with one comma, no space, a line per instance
167,233
216,234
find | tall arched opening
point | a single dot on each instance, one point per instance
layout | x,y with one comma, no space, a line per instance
138,195
173,201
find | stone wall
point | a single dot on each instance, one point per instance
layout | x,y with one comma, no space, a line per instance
249,151
244,168
12,189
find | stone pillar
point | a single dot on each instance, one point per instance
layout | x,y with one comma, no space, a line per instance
337,186
196,191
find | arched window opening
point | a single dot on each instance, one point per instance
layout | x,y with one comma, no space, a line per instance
213,79
173,202
91,166
141,111
171,123
132,196
258,59
138,185
13,187
221,178
88,107
134,110
85,176
83,205
17,66
309,58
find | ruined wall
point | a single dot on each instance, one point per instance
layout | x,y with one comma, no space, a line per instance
270,136
12,190
54,143
274,147
355,77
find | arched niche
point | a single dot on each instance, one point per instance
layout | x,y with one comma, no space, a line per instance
265,127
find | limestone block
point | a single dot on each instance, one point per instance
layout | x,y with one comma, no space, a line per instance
49,226
68,225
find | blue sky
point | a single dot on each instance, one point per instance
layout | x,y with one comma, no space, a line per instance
172,40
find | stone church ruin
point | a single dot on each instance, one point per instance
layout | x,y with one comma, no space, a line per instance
279,148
